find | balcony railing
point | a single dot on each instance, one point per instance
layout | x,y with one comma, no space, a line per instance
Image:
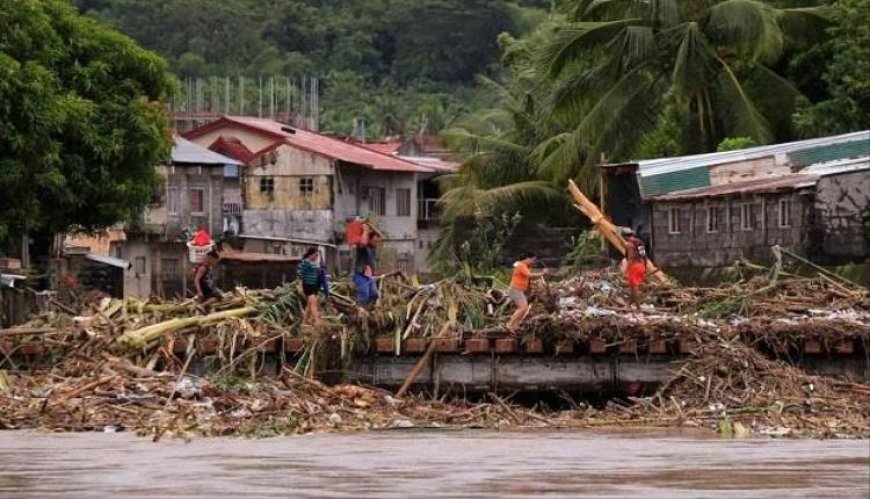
429,209
232,208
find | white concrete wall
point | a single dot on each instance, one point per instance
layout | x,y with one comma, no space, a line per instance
137,280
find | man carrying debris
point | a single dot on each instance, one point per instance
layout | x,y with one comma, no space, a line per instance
520,281
364,267
634,264
206,292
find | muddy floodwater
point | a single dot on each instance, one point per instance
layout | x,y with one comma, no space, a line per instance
460,464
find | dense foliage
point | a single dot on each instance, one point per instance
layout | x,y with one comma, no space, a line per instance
615,80
401,65
81,127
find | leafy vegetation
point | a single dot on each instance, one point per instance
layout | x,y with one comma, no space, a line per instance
615,80
81,125
402,65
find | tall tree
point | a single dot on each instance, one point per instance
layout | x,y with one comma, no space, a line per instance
81,125
846,54
621,63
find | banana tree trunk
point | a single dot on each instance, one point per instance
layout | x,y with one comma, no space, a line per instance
608,230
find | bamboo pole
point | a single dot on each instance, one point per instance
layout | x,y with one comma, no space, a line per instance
607,229
418,367
140,337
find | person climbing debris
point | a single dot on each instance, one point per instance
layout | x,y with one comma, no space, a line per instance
207,293
364,267
634,264
519,286
311,282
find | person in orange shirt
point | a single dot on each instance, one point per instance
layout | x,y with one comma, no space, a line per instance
518,288
634,264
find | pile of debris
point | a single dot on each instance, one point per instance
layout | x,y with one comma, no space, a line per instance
115,366
735,389
113,394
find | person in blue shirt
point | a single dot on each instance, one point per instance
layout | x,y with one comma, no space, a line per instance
311,281
364,268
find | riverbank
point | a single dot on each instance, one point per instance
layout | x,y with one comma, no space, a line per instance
128,365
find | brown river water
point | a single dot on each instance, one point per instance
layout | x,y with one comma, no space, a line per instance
439,464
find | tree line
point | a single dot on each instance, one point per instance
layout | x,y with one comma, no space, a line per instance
401,65
616,80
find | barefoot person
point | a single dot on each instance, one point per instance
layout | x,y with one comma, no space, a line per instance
518,288
634,264
310,283
207,293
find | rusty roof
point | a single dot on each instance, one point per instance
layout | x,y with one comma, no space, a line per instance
383,147
766,185
312,142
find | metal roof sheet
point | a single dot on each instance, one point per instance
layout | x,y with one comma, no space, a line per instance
660,166
317,143
185,151
840,166
109,260
437,164
656,185
756,186
830,152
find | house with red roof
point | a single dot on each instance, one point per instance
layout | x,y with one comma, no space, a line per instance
299,188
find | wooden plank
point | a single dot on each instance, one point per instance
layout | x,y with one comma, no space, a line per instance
477,345
597,346
505,345
24,331
534,346
415,345
207,345
628,347
31,349
845,347
658,347
385,344
564,347
812,346
269,345
446,345
179,345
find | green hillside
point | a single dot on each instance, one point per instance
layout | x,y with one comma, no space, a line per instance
401,65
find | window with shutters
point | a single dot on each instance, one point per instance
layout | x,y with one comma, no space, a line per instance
403,202
674,221
306,186
785,212
267,185
712,219
747,216
197,201
172,200
378,200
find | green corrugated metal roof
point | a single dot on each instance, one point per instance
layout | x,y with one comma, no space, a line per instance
656,185
831,152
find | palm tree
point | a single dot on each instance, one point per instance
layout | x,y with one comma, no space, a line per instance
621,63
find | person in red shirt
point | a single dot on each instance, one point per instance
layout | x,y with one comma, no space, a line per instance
634,264
518,288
